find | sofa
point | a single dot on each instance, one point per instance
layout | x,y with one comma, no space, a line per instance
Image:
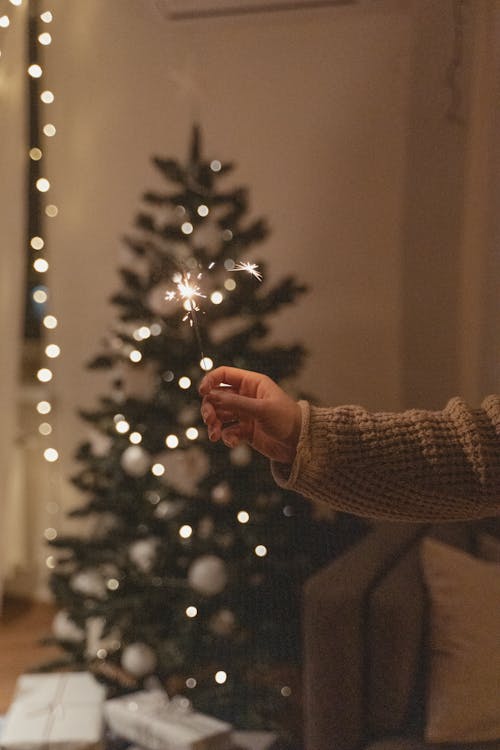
366,641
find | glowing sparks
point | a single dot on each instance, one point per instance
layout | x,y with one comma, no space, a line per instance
187,291
250,268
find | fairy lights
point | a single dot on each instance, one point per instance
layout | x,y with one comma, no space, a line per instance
135,356
158,470
122,426
40,323
37,243
43,185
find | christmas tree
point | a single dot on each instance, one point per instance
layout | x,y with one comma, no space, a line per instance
194,560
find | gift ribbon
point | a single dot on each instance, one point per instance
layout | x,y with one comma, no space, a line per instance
54,707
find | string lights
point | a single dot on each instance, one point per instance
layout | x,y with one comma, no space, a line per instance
41,129
41,324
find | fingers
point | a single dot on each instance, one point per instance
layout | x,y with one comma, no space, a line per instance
237,433
216,421
232,376
225,402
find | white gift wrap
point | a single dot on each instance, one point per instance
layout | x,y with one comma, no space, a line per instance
253,740
60,711
150,720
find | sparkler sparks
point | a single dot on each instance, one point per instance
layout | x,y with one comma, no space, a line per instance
250,268
188,290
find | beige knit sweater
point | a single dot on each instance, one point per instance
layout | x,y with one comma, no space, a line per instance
410,466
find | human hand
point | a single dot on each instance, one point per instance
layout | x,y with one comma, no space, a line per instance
253,409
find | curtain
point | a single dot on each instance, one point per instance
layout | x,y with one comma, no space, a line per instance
13,154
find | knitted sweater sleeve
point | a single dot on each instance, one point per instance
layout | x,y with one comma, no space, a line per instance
410,466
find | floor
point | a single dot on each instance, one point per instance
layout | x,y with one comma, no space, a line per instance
22,624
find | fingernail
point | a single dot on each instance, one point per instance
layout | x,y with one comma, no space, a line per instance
204,413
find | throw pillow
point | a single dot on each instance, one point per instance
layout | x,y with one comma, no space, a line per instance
463,695
489,548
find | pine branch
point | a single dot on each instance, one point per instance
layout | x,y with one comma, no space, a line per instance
170,168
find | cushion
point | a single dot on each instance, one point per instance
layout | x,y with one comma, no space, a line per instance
463,689
408,743
489,548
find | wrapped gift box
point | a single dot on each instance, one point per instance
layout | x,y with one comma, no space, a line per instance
253,740
62,711
148,718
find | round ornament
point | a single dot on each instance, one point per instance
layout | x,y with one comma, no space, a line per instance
143,553
208,575
138,659
184,469
223,622
206,527
221,494
65,628
189,415
168,509
156,299
207,235
140,381
100,443
89,583
135,461
241,455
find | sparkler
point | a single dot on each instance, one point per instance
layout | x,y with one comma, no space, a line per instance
188,290
250,268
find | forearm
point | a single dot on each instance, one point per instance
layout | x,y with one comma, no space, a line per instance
415,465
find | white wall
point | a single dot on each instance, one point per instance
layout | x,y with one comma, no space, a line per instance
336,119
312,106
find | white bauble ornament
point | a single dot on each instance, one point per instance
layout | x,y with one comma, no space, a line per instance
100,444
156,299
138,659
65,628
96,641
241,455
206,528
221,494
143,553
184,469
223,622
168,509
135,461
189,415
89,583
139,380
207,235
208,575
